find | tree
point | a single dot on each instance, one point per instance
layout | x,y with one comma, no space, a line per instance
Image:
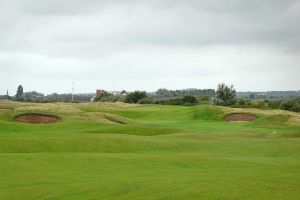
188,100
20,93
135,96
164,93
107,97
225,95
291,105
147,100
7,95
33,96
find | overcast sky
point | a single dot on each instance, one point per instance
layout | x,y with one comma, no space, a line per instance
45,45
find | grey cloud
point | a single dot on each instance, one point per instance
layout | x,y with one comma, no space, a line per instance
138,39
173,23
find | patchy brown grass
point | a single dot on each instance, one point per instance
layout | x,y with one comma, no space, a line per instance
239,117
36,118
293,117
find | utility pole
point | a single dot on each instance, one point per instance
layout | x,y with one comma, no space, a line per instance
72,91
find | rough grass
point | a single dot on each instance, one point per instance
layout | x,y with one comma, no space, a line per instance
121,151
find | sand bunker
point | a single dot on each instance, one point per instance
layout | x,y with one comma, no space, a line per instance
239,117
36,118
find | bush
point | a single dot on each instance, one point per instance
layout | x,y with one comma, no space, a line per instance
246,103
120,98
189,100
176,101
225,95
20,99
135,96
259,104
147,100
106,97
204,98
218,102
274,104
291,105
186,100
241,102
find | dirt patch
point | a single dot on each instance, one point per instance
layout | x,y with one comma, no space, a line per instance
36,118
239,117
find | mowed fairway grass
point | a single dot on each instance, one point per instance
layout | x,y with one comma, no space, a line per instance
122,151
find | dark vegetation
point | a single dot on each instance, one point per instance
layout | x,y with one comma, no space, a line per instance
186,92
109,97
36,97
270,95
20,93
291,105
186,100
135,97
224,96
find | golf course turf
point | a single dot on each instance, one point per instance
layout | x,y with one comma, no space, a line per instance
127,151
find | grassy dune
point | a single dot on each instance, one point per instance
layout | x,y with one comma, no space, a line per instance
121,151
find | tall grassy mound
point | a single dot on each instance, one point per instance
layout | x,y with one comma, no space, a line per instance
123,151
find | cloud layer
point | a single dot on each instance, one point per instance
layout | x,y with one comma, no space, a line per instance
137,44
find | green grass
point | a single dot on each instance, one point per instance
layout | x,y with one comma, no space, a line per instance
118,151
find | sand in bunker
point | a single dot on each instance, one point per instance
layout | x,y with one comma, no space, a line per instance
36,118
240,117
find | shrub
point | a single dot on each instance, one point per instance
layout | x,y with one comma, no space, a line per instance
291,105
189,100
120,98
225,95
274,104
105,97
259,104
135,96
186,100
176,101
241,102
204,98
147,100
218,102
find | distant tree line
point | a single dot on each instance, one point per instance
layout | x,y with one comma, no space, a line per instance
291,105
132,97
142,97
224,95
269,95
33,96
186,92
